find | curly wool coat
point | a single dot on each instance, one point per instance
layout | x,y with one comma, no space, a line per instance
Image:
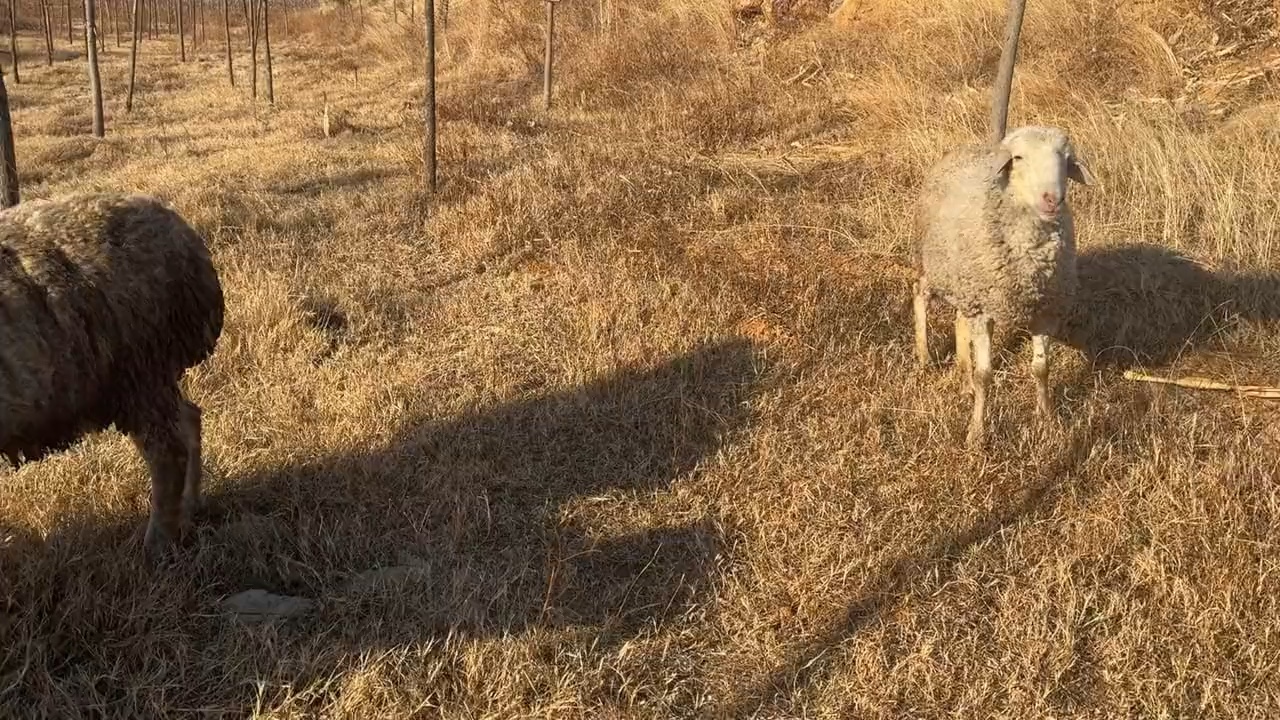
987,254
105,301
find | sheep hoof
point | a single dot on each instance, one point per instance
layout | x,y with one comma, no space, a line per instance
156,543
976,438
191,507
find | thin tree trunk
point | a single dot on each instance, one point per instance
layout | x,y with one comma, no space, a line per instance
136,34
182,37
1004,79
13,39
48,32
115,18
550,54
70,38
266,40
95,81
9,176
253,49
429,99
226,25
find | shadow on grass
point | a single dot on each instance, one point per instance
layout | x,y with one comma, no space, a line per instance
526,515
1146,305
1138,304
937,563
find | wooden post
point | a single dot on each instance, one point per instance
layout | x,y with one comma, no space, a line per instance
429,99
9,175
550,54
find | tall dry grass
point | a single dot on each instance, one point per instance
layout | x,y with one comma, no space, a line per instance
631,401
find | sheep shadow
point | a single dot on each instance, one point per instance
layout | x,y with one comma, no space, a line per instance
1142,304
485,492
485,520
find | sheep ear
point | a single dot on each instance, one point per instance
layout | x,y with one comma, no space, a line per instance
1078,171
1001,161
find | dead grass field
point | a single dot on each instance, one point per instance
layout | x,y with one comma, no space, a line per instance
633,398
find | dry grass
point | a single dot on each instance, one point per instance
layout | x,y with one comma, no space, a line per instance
635,392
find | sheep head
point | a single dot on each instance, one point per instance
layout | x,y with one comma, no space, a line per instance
1034,164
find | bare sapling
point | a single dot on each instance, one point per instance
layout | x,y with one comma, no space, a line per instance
95,80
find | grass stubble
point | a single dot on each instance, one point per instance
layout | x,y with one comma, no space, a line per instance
634,396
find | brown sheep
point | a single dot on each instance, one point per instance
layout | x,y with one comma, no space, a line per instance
105,301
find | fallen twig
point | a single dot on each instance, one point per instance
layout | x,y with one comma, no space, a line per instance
1199,383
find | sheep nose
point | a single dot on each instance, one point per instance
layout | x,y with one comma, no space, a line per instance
1049,203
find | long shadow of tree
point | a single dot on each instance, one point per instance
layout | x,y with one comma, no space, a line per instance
483,514
1137,305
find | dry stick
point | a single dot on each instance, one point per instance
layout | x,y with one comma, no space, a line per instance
1200,383
1004,79
226,24
95,81
266,39
13,39
9,176
546,70
429,95
133,55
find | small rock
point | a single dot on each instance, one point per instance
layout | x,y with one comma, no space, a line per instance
257,606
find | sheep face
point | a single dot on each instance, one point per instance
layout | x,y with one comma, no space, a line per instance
1036,163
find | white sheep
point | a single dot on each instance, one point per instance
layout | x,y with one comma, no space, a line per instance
996,239
997,242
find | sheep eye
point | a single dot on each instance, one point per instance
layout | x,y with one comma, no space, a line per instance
1017,157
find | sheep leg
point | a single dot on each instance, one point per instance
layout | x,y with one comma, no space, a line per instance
191,430
163,448
980,328
964,356
920,305
1040,370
